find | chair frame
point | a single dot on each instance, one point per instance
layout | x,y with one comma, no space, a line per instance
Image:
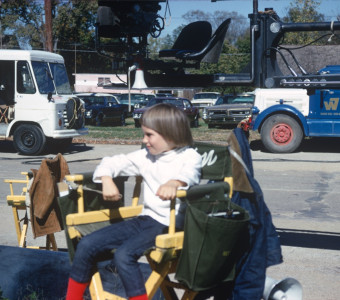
162,259
18,203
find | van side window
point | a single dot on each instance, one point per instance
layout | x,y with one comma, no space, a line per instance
25,83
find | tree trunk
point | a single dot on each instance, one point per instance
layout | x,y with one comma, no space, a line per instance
48,25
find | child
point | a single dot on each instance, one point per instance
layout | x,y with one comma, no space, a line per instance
166,164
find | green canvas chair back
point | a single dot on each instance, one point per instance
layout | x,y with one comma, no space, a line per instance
216,161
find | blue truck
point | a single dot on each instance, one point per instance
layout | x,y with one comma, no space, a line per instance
286,116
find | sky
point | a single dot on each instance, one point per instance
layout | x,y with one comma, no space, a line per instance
330,9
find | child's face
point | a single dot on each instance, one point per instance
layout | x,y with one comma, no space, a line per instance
155,142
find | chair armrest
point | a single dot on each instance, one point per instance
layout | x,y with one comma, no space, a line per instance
103,215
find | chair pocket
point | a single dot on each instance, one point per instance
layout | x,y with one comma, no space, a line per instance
215,235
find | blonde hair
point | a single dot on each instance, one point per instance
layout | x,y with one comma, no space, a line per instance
170,122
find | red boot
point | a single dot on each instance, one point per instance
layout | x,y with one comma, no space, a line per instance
75,290
140,297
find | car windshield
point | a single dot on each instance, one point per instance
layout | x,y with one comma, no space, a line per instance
205,96
235,99
134,97
91,100
175,102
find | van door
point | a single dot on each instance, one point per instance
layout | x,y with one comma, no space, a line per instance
6,82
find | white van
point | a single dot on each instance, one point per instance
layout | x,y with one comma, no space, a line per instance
36,101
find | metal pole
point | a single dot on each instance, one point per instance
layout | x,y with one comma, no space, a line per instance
0,24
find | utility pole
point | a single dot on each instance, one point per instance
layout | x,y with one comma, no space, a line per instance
0,24
48,25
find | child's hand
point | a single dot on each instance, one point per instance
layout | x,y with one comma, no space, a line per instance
110,190
168,190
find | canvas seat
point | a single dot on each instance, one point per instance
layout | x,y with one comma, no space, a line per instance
83,208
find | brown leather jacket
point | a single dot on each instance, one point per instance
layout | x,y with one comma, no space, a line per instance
44,209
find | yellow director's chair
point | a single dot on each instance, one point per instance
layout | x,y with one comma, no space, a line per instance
83,209
19,202
38,184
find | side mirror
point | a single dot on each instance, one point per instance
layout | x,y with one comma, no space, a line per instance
49,97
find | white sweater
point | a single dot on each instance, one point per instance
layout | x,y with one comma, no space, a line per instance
182,164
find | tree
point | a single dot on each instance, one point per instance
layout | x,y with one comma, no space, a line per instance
72,27
24,19
302,11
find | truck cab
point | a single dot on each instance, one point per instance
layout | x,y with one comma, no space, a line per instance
283,117
36,101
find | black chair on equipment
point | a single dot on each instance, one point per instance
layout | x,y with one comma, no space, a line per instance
192,38
209,53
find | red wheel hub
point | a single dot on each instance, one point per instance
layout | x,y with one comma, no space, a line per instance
281,134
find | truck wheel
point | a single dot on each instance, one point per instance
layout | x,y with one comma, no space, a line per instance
29,140
281,134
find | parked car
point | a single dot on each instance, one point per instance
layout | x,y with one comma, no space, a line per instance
165,95
138,100
182,103
228,110
205,99
103,108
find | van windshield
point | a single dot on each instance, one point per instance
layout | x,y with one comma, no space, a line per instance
49,80
60,78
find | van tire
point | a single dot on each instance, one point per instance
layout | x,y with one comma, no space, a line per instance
29,139
281,134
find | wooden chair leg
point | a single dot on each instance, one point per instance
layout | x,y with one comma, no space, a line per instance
97,292
17,223
156,278
23,235
51,242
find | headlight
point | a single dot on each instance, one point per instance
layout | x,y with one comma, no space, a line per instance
88,113
137,105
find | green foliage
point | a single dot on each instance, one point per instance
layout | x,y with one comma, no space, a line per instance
24,19
73,28
302,11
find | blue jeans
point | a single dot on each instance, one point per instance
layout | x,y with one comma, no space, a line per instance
130,238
